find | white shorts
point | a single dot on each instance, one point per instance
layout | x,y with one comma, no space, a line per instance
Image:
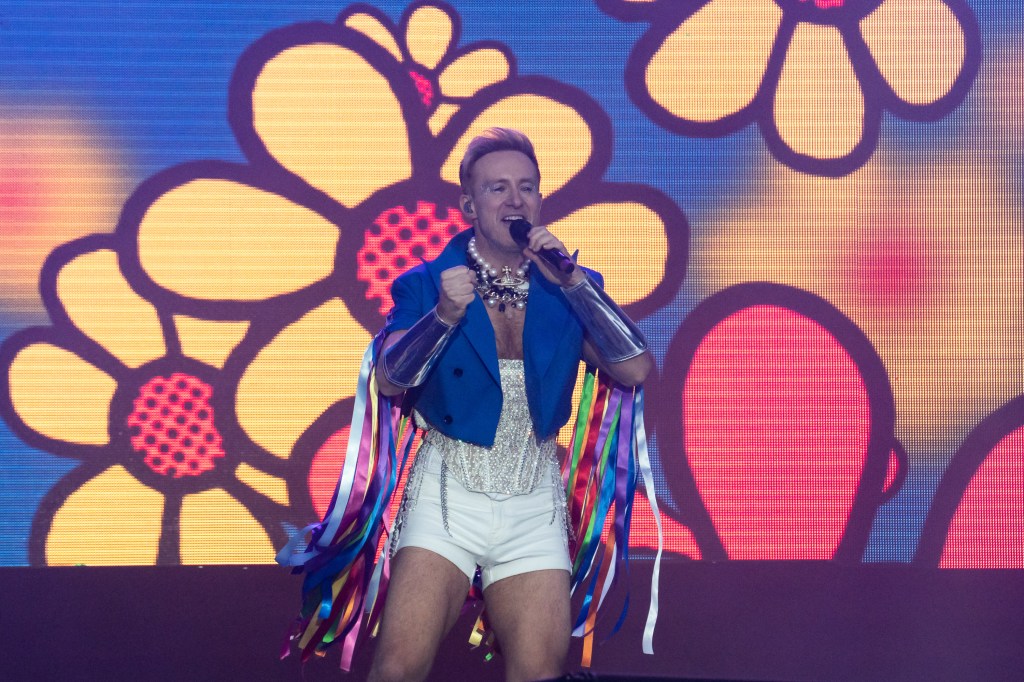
504,535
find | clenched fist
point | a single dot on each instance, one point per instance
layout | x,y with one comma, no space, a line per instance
457,292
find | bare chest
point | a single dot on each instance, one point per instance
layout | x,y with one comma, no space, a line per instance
508,331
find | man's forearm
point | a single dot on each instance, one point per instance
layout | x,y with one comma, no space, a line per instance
613,335
407,362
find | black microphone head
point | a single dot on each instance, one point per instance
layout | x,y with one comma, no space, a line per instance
519,229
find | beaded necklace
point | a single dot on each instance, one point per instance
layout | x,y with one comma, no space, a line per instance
511,287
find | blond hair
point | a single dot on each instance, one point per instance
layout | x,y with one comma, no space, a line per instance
495,140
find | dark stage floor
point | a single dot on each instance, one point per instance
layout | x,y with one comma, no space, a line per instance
783,621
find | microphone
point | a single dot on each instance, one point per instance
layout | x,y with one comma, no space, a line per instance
555,258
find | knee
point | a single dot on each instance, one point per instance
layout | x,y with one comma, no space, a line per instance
534,668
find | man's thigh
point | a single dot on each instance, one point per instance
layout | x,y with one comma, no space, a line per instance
530,614
425,597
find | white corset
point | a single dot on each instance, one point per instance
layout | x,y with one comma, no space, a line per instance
517,462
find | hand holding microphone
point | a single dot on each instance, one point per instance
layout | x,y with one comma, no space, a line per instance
561,263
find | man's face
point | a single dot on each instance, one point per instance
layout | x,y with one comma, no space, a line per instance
503,186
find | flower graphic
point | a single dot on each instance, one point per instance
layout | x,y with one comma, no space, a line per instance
976,519
353,132
907,261
353,137
815,76
426,45
138,394
780,417
922,275
315,228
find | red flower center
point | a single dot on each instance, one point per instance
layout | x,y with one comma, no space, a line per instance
398,240
172,423
424,87
827,4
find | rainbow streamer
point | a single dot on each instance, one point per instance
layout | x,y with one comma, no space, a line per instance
608,445
341,581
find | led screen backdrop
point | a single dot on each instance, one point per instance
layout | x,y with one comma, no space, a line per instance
813,207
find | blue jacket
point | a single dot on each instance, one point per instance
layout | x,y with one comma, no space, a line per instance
462,395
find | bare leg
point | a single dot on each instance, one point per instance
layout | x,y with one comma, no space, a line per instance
530,616
424,598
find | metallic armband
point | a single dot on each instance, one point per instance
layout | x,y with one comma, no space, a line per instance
407,362
612,333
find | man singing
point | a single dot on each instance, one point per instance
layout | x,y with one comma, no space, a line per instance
485,343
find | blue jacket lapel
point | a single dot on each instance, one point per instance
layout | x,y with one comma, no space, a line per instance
546,315
476,326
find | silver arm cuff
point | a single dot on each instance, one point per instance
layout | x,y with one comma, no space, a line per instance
407,362
612,333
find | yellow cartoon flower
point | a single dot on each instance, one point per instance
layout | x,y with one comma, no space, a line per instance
444,75
139,395
815,76
353,175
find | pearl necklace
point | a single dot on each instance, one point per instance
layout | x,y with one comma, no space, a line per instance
499,290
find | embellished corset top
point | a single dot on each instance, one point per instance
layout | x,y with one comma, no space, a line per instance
517,462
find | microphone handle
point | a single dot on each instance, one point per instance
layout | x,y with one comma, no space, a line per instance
558,260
